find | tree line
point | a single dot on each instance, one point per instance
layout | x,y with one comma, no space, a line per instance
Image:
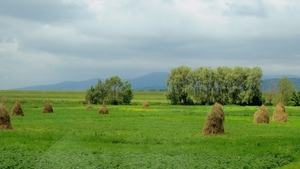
112,91
205,85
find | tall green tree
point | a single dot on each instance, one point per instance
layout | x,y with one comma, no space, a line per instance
179,83
237,81
114,85
240,85
253,94
223,78
127,93
286,89
203,85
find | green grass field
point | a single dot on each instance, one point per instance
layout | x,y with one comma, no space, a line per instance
161,136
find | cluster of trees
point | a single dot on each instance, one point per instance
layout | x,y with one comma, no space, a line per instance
204,85
283,91
112,91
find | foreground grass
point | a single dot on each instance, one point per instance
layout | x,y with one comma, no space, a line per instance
157,137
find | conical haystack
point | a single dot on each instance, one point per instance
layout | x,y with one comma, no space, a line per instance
103,110
279,114
89,106
214,121
48,108
5,123
17,109
145,104
262,115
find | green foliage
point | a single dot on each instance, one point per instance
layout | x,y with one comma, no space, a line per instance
295,99
127,93
224,85
114,91
179,82
286,89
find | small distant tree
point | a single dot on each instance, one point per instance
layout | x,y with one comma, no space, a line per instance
286,89
113,90
114,85
98,93
295,100
127,93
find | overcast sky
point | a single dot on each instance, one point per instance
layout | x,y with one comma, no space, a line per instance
50,41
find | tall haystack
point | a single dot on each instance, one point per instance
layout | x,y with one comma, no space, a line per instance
48,108
279,114
103,109
262,115
145,104
214,121
17,109
5,123
89,105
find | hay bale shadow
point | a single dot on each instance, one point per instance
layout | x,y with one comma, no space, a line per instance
214,121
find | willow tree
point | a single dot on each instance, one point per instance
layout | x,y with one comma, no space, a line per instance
253,94
204,85
223,81
179,85
286,89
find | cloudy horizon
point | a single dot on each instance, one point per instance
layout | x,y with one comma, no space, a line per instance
50,41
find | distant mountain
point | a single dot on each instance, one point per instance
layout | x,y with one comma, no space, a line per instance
152,81
279,76
67,85
266,83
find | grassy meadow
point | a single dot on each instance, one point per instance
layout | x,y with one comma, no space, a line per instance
161,136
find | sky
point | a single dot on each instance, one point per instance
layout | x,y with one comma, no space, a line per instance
51,41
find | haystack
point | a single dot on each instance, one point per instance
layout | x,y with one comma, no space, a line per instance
103,110
145,104
214,121
5,123
17,109
89,106
262,115
279,114
48,108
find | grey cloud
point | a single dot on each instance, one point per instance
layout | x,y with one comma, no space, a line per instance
44,11
240,9
130,39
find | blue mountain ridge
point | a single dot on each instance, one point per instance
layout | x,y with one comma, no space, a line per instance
152,81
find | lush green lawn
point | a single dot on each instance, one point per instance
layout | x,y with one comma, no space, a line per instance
161,136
